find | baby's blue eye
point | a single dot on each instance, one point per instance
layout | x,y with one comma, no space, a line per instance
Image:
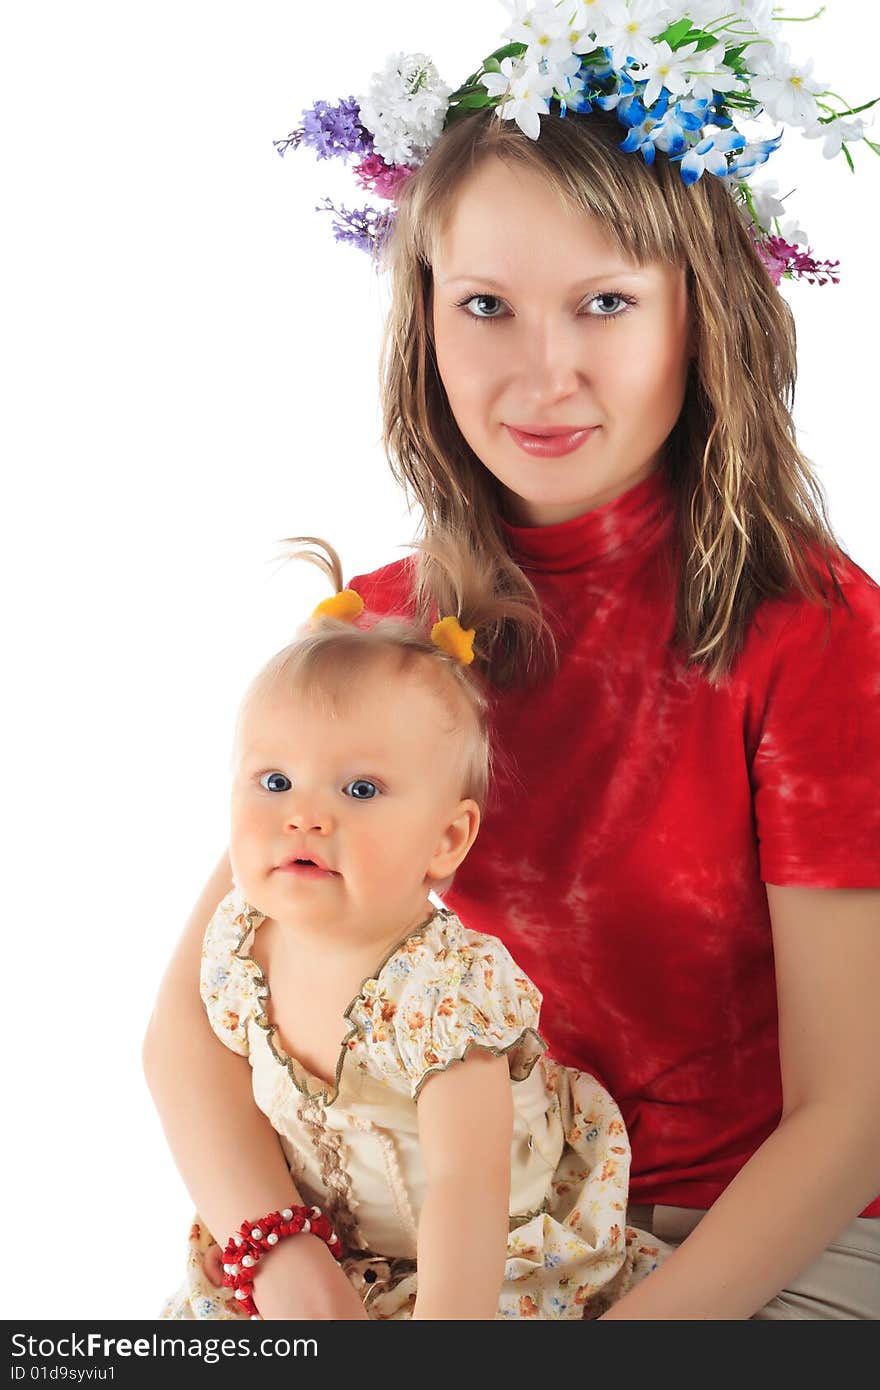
275,782
362,790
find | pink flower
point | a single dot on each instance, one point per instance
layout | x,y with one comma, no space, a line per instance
380,178
783,258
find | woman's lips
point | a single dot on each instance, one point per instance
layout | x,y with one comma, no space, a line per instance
550,445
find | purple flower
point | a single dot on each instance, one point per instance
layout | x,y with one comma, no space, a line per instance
783,258
366,228
335,130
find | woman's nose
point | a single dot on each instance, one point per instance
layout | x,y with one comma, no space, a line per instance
556,367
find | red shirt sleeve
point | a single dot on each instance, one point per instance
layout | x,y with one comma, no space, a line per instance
388,591
816,768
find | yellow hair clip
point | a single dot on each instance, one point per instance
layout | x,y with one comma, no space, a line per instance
346,606
451,637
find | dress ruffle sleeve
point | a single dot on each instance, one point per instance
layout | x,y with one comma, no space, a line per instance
444,991
229,987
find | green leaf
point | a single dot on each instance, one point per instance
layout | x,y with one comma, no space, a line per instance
849,158
510,50
850,111
734,59
704,41
467,91
676,33
473,99
453,114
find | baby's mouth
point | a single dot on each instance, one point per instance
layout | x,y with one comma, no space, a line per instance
306,868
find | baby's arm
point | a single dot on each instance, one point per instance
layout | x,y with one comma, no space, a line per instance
225,1149
465,1130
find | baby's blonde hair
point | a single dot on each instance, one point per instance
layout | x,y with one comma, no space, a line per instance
327,662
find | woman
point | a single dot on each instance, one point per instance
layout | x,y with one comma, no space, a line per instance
686,841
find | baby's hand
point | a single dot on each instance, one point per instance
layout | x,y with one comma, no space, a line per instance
304,1282
212,1264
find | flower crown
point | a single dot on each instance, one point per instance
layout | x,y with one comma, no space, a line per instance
677,76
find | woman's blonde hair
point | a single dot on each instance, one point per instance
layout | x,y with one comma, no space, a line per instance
750,518
331,658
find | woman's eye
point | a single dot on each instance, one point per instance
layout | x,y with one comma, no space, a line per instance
361,789
275,782
480,299
611,306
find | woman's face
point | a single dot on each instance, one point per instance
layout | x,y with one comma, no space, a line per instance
539,321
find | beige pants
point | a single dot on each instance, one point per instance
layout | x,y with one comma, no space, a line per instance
842,1282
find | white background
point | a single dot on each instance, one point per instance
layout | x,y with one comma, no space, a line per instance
189,371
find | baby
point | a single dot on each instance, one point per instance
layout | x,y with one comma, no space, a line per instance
494,1188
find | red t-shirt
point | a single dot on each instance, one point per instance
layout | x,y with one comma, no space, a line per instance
622,858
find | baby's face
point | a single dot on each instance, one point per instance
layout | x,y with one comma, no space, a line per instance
368,796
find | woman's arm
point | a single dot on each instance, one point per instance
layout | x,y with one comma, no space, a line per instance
225,1149
465,1131
820,1167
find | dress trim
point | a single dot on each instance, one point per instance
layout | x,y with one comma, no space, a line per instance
496,1052
249,919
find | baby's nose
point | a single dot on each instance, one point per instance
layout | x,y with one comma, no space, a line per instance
313,817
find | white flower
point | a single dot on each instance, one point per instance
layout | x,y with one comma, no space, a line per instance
702,12
792,231
589,19
768,205
405,108
768,59
789,95
579,24
518,8
666,67
741,17
759,12
769,208
629,29
525,91
545,32
834,134
708,73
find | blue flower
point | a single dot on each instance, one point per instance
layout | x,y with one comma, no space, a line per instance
642,137
621,97
650,128
693,112
753,155
576,96
710,154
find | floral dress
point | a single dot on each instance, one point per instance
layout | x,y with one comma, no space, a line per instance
353,1147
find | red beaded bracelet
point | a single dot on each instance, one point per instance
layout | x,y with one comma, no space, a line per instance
253,1238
